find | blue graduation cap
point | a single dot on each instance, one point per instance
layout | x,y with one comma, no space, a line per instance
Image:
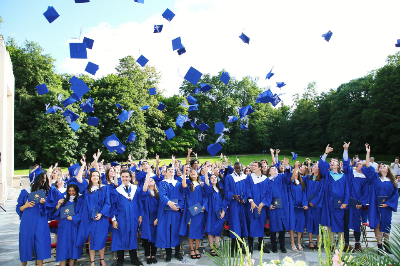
244,38
193,107
245,111
77,50
203,127
68,101
142,60
327,36
193,76
82,1
169,133
139,1
265,97
51,110
219,128
193,124
196,91
181,51
93,121
119,106
244,126
177,44
74,126
191,99
280,84
232,119
125,115
294,156
78,86
91,68
214,149
398,43
160,106
276,100
89,42
87,106
70,116
113,164
153,91
225,78
112,143
131,138
51,14
269,75
180,120
121,149
76,97
204,87
168,14
42,89
158,28
34,174
73,170
145,107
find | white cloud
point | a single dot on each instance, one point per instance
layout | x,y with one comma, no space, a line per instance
284,34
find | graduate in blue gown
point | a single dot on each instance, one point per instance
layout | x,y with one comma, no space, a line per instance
34,233
193,226
150,198
336,190
298,207
126,212
258,196
217,208
235,189
97,205
384,184
169,215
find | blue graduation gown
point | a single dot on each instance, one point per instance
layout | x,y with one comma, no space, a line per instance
150,209
127,213
237,212
359,190
378,215
169,220
215,202
67,232
279,217
257,188
331,216
313,214
34,233
297,216
197,223
98,230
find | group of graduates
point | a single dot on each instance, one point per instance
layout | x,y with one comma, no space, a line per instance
167,202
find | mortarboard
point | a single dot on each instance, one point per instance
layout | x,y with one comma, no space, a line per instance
142,60
89,42
398,43
161,106
193,76
78,50
51,14
74,126
204,87
42,89
214,149
121,149
91,68
158,28
82,1
78,87
169,133
280,84
245,111
180,120
114,163
265,97
203,127
225,78
112,143
181,50
70,116
221,139
191,99
76,97
118,105
294,156
177,44
193,107
131,138
276,100
145,107
196,91
34,174
193,124
168,14
219,128
73,170
68,101
232,118
152,91
139,1
244,38
93,121
327,36
125,115
244,126
52,110
269,75
87,106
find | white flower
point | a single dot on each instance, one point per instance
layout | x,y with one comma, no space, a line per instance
275,261
288,259
300,263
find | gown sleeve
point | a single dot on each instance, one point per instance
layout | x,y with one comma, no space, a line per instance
228,192
105,210
22,198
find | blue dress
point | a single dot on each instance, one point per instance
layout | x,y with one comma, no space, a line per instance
315,192
215,202
34,232
169,220
150,210
126,208
297,199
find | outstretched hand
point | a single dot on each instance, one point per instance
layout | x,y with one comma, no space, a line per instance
367,148
328,149
83,160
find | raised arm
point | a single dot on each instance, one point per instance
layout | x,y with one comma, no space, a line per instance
96,160
272,156
188,156
79,175
184,184
368,156
158,163
206,175
323,165
295,171
146,184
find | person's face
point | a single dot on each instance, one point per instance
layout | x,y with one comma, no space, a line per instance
145,166
71,191
237,169
193,175
359,166
55,173
124,167
216,171
372,160
273,171
195,165
282,168
302,169
163,168
248,171
111,173
383,169
315,169
125,178
151,182
95,178
176,165
101,168
60,183
213,179
171,171
264,168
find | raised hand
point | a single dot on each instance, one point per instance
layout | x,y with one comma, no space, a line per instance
278,151
346,145
83,160
272,151
367,148
328,149
130,157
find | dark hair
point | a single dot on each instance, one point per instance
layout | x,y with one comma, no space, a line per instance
130,175
300,178
193,161
37,184
89,188
108,174
191,181
76,188
318,177
221,191
258,163
264,160
390,176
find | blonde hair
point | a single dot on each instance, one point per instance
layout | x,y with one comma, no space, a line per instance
390,176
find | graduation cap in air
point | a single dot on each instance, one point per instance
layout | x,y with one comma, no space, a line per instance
114,163
78,87
51,14
177,44
191,99
142,60
139,1
119,106
244,126
193,76
327,36
160,106
78,50
70,116
168,14
169,133
204,87
112,143
203,127
53,109
131,138
294,156
68,101
180,120
74,126
265,97
93,121
193,107
219,128
89,42
121,149
280,84
87,106
245,111
232,119
82,1
269,75
73,170
181,50
221,139
214,149
244,38
145,107
91,68
153,91
125,115
276,100
196,91
225,78
158,28
34,174
398,43
42,89
193,124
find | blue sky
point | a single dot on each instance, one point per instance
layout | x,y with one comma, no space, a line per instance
285,34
